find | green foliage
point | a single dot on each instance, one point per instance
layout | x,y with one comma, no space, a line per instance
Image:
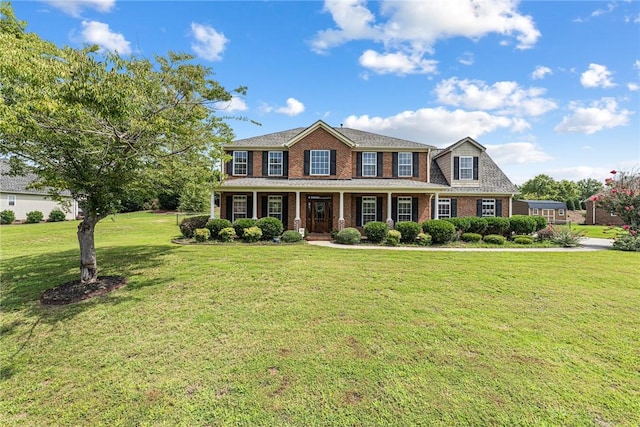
168,201
477,225
241,223
462,224
540,187
201,234
494,239
409,231
34,217
588,187
227,234
194,197
216,225
498,225
546,233
376,231
541,222
348,236
271,227
441,231
393,238
523,224
523,240
291,236
56,215
566,238
7,217
627,242
251,234
622,197
189,225
471,237
423,239
570,205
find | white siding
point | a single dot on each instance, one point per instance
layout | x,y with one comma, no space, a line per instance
34,202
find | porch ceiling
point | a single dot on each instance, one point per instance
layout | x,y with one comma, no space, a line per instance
324,185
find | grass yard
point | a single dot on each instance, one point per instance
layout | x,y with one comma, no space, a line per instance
301,335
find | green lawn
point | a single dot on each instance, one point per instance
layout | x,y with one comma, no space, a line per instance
301,335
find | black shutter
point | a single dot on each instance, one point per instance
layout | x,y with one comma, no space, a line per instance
285,163
414,209
285,211
265,163
475,168
498,207
264,201
479,207
249,206
380,158
395,165
454,208
230,165
332,162
358,164
456,167
250,163
358,211
394,209
433,208
416,165
229,208
378,208
307,159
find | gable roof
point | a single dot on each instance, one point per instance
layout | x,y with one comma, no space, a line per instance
314,127
466,140
545,204
492,179
19,184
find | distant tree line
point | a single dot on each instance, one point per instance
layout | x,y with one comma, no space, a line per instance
574,194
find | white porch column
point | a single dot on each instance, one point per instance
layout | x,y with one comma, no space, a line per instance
389,207
435,207
511,206
341,217
255,205
213,205
296,221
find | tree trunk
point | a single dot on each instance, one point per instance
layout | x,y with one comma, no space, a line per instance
88,262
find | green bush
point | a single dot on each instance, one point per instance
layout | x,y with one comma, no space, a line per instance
498,225
216,225
566,238
241,223
57,215
546,233
523,240
477,225
291,236
470,237
494,239
462,224
423,239
348,236
627,242
188,225
376,231
227,234
393,238
441,231
409,231
201,234
251,234
7,217
541,222
271,227
523,224
34,217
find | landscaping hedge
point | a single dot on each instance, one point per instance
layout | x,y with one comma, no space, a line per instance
271,227
376,231
216,225
441,231
409,231
7,217
188,225
348,236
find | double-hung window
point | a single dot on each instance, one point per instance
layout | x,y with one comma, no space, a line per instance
11,200
404,209
275,163
320,162
368,209
444,208
240,162
405,164
239,207
488,207
274,207
466,167
561,212
535,211
369,164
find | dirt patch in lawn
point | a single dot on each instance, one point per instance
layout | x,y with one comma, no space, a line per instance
75,291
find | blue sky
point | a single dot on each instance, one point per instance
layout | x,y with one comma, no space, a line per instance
547,86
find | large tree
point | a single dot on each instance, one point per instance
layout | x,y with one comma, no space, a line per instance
99,125
589,187
540,187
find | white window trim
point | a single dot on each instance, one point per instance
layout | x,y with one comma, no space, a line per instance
444,203
271,214
561,212
233,209
468,168
11,200
374,164
535,211
490,205
372,200
328,153
281,163
238,163
408,201
410,164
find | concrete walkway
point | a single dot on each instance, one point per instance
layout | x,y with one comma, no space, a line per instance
586,244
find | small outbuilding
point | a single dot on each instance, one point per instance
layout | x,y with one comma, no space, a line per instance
597,215
555,212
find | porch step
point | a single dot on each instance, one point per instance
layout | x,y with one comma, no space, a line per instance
318,236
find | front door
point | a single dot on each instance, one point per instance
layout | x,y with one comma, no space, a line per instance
319,214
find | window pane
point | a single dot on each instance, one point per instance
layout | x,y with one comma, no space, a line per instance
444,208
369,164
404,209
405,166
239,162
466,167
11,199
488,207
319,162
274,207
275,163
239,207
368,209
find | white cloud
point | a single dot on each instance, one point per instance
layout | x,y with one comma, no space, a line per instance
636,64
236,104
576,173
517,153
209,44
396,63
540,72
293,108
633,87
504,97
466,58
354,21
597,76
94,32
610,8
75,7
602,114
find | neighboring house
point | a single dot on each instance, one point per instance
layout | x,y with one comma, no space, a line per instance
554,212
323,178
599,216
17,197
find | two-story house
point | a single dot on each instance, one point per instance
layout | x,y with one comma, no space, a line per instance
323,178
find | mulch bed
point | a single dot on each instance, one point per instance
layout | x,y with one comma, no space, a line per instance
75,291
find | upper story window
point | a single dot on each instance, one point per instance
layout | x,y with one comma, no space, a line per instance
320,162
444,208
368,209
488,206
369,164
404,209
405,164
466,167
11,200
240,162
275,163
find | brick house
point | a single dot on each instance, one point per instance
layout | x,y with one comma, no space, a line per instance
555,212
323,178
599,216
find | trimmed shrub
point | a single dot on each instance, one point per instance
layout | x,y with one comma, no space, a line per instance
348,236
409,231
423,239
216,225
494,239
477,225
498,225
241,223
188,225
546,233
627,242
393,238
251,234
522,224
227,234
471,237
523,240
462,224
34,217
57,215
376,231
541,222
201,234
7,217
271,227
291,236
441,231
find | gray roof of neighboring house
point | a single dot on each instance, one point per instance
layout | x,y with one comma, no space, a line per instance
20,183
545,204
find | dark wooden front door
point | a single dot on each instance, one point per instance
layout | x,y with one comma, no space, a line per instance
319,216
